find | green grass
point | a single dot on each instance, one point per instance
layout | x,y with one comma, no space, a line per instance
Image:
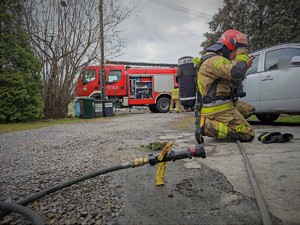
153,146
282,119
11,127
184,123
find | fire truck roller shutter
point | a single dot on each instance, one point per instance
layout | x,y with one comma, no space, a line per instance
186,79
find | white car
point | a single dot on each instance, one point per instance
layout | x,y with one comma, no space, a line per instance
272,82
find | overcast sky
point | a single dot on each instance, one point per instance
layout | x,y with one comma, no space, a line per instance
163,34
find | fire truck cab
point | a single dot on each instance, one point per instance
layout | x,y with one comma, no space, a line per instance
130,86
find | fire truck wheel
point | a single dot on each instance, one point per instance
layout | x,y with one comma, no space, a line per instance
163,105
96,96
152,108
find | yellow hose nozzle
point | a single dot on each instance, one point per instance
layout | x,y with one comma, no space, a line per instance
160,173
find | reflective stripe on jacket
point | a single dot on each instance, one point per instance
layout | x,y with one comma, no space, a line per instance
216,109
175,93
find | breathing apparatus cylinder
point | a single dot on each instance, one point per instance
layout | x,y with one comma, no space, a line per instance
187,81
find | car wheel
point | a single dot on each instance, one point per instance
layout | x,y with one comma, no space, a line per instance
163,105
267,118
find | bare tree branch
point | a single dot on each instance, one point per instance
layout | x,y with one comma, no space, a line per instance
64,34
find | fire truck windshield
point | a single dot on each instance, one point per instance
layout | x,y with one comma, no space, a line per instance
88,75
114,76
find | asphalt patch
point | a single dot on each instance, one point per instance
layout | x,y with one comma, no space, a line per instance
189,196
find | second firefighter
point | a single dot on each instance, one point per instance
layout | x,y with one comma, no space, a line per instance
175,99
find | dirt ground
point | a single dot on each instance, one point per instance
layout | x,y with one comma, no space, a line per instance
215,190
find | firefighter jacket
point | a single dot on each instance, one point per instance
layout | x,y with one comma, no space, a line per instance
218,71
175,93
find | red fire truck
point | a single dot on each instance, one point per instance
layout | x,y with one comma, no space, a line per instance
129,85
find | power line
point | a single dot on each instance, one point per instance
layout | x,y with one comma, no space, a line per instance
180,8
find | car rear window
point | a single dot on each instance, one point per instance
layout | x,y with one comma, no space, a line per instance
273,57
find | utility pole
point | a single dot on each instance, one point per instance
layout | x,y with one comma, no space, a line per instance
102,71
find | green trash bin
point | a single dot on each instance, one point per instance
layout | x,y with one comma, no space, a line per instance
87,108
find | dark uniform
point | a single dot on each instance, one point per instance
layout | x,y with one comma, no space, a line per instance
221,117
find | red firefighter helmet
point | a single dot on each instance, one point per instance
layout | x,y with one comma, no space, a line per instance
228,38
176,85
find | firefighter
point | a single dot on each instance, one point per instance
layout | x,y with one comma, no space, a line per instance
223,64
175,99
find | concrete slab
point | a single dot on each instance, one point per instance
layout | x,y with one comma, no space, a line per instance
276,167
226,158
277,170
170,137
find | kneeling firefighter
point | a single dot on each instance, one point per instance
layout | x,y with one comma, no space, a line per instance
221,72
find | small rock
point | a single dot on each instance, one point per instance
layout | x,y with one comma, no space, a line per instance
6,220
52,222
98,222
83,213
51,216
192,165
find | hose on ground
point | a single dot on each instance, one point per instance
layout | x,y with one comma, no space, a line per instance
152,159
42,193
24,211
264,212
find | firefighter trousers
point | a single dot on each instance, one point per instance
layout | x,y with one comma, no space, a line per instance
229,124
175,102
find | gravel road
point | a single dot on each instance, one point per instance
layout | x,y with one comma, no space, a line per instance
33,160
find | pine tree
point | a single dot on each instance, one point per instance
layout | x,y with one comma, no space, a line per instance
20,83
274,22
265,22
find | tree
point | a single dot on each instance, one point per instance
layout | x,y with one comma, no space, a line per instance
20,83
266,22
64,35
274,22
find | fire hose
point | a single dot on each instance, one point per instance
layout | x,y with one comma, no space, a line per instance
151,159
